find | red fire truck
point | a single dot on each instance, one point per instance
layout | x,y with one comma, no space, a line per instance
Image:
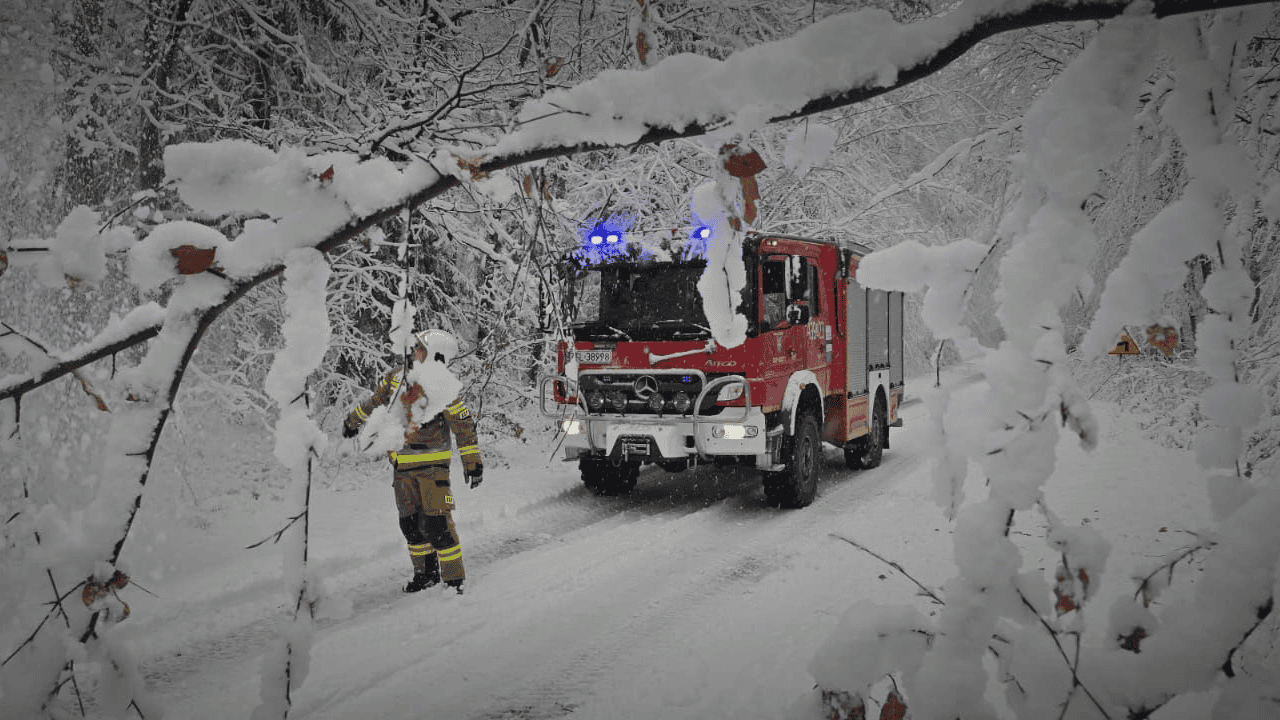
644,381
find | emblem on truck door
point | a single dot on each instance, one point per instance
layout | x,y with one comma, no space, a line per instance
645,385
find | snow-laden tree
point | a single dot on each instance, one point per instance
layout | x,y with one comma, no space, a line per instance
265,207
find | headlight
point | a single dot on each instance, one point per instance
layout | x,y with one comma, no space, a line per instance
681,402
595,401
571,427
656,402
618,400
730,392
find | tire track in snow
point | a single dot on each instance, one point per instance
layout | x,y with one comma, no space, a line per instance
745,551
372,583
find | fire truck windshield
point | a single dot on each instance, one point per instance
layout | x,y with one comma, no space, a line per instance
654,301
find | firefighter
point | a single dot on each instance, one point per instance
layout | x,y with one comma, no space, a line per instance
421,475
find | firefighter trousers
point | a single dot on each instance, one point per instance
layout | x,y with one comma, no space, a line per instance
425,503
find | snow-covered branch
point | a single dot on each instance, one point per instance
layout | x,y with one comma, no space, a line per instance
609,112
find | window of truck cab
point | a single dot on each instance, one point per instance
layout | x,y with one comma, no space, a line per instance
786,282
639,301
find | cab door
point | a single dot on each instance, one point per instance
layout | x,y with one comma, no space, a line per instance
794,318
818,321
783,324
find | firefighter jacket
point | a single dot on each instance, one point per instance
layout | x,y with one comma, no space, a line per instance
430,443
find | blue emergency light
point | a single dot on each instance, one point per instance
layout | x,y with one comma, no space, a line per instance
604,235
702,233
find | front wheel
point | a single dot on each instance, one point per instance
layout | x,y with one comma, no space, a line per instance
604,478
797,485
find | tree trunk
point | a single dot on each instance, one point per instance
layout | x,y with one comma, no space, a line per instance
160,54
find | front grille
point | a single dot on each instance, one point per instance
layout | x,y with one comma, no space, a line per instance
632,393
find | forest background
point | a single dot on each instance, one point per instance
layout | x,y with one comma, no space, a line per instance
96,90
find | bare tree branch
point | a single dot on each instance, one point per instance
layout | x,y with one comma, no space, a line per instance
923,589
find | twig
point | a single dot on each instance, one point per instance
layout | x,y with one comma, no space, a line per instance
893,565
142,197
1104,382
31,638
1263,612
1053,634
279,533
1168,566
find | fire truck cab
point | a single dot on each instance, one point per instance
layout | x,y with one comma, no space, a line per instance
644,382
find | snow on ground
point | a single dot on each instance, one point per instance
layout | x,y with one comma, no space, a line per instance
687,599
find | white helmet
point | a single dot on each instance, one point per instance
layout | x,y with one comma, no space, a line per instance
439,344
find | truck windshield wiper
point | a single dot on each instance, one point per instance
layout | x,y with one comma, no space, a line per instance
602,328
684,326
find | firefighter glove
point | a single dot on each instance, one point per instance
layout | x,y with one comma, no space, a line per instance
476,476
348,431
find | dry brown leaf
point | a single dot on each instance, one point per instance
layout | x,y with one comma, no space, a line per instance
102,404
893,708
1133,641
841,705
1065,603
741,163
750,194
1064,592
473,167
192,260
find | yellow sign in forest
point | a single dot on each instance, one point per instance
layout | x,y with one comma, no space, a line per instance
1126,346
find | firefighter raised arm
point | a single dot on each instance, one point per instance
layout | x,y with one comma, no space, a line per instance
423,494
385,390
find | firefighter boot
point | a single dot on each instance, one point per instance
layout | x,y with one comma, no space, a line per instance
425,579
426,568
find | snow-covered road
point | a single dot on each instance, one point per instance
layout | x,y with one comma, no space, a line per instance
601,606
636,608
688,599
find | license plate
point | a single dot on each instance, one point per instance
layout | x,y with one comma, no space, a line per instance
635,448
594,357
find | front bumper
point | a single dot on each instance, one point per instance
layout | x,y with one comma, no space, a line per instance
665,439
731,432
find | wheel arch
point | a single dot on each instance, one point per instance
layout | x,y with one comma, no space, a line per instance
803,392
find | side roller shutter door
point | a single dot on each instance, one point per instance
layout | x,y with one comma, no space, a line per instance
877,329
895,338
857,338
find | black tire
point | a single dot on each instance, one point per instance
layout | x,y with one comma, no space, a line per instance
868,450
797,485
604,478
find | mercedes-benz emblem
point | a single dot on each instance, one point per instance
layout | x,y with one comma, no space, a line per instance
645,385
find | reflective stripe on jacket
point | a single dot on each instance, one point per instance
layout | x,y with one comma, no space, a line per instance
432,442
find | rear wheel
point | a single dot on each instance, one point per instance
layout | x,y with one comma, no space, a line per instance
868,451
602,477
797,485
